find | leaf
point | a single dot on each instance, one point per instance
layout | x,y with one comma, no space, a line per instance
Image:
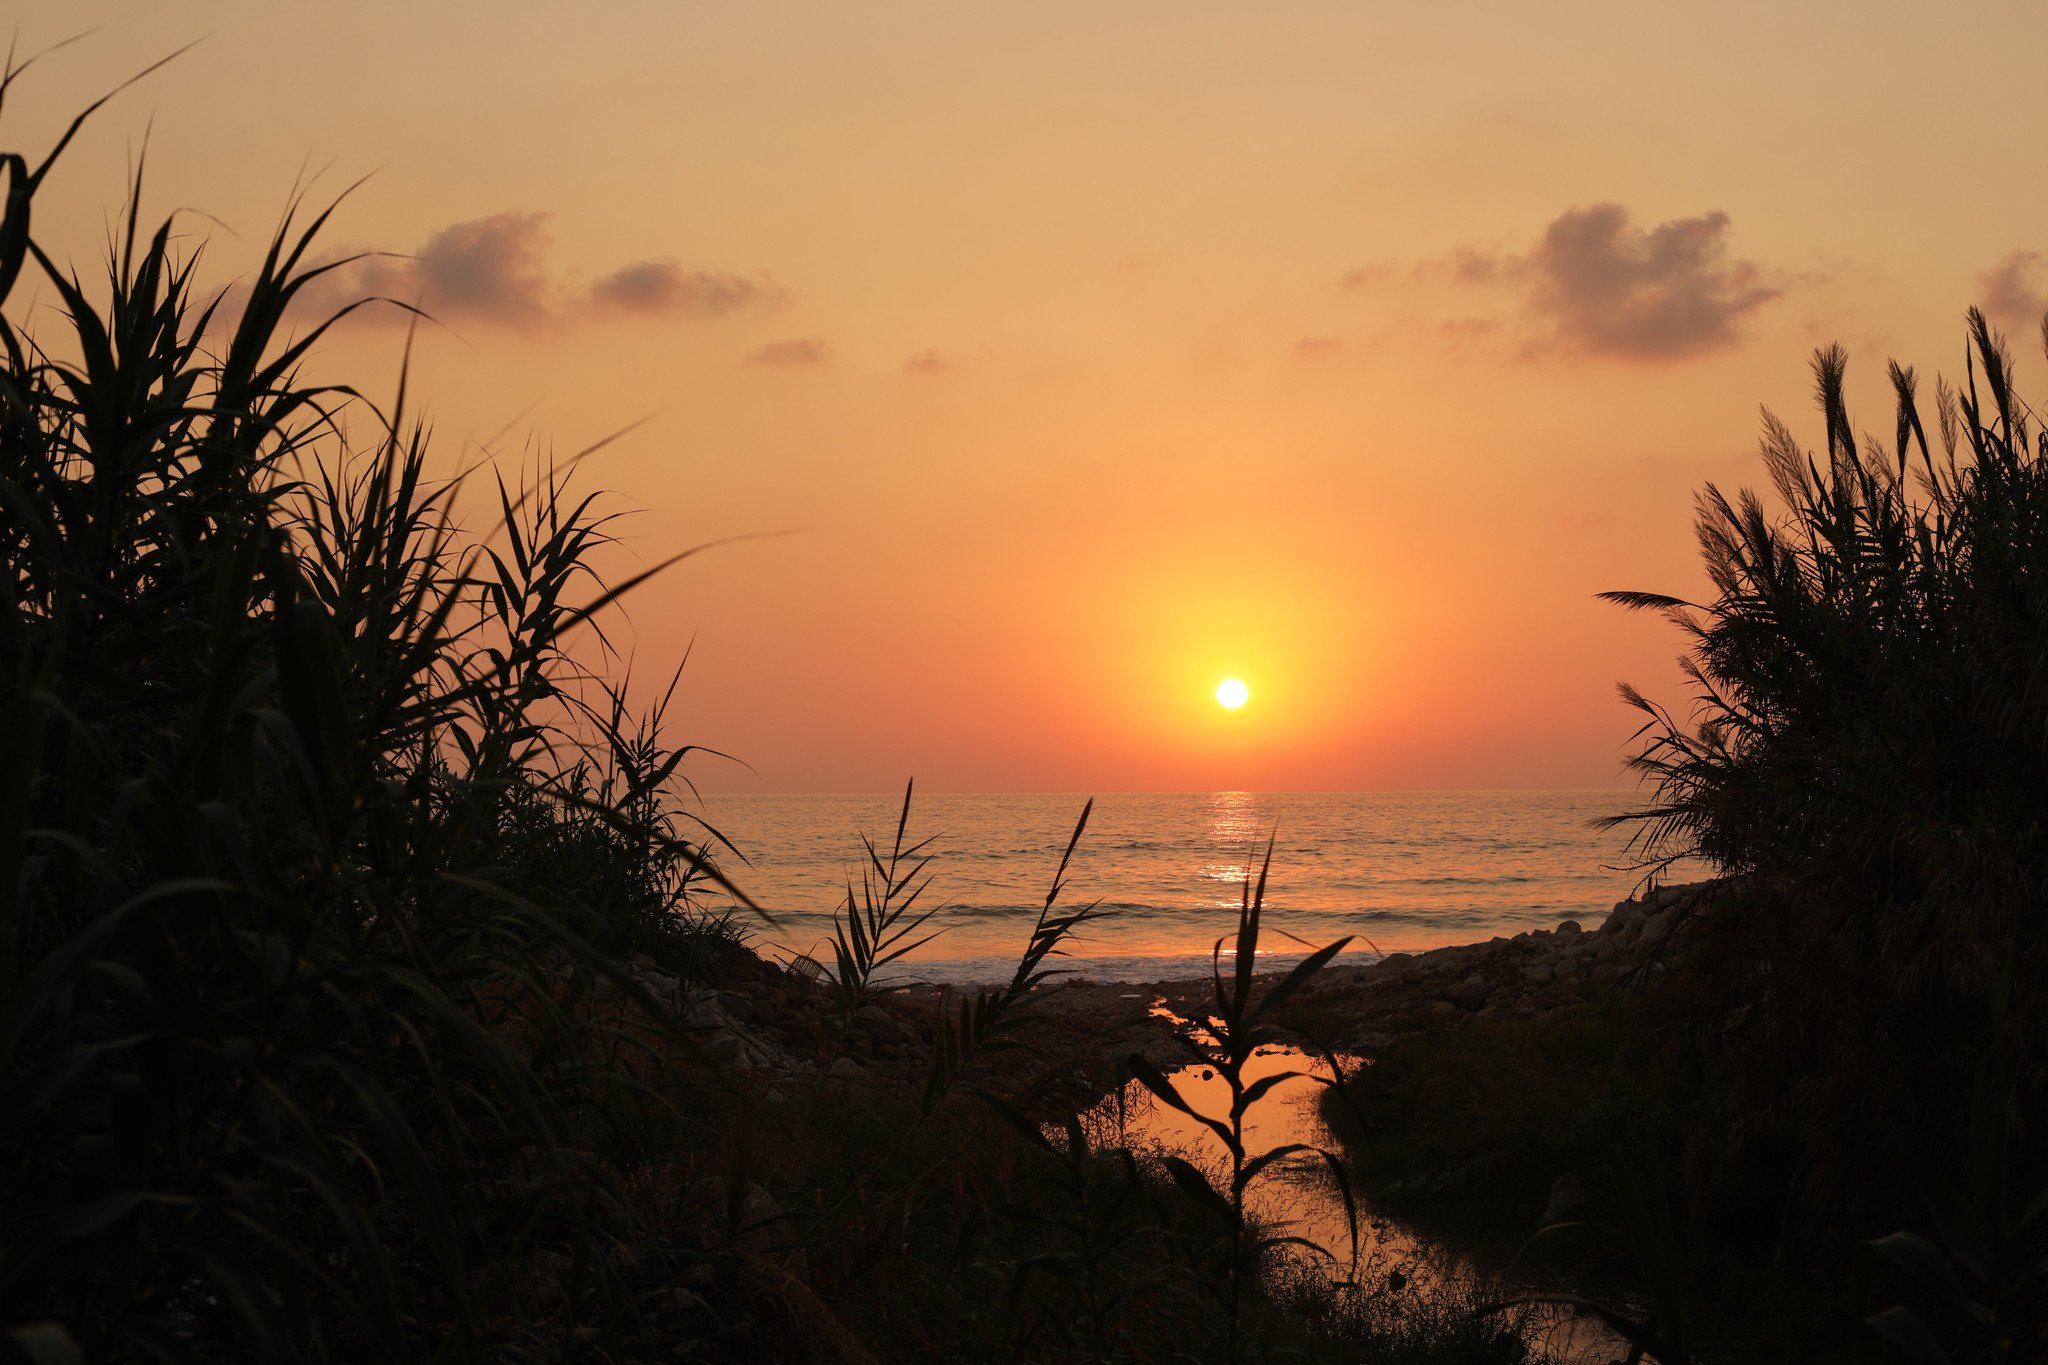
1285,988
1259,1089
1148,1076
1251,1169
1017,1120
1197,1188
1645,601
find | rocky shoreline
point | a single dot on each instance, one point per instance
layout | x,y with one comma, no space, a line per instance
779,1031
1537,972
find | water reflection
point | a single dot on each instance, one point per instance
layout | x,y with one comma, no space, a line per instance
1235,823
1297,1195
1237,826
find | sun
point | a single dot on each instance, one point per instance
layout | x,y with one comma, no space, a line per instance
1231,694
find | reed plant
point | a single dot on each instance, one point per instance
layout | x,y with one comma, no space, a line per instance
316,840
1869,676
1238,1026
1868,731
880,919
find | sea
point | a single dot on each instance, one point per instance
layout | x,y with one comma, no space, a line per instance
1167,873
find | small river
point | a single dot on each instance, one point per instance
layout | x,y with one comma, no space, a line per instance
1297,1196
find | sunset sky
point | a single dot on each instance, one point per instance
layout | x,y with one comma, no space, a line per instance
1093,353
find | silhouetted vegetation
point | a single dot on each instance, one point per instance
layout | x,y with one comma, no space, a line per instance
316,843
1845,1084
1870,736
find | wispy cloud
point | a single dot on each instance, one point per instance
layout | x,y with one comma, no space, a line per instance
930,363
2012,291
487,268
1594,283
663,286
494,270
797,352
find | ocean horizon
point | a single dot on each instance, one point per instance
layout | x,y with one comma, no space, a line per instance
1396,871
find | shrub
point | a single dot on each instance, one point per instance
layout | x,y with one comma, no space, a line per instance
1869,738
314,840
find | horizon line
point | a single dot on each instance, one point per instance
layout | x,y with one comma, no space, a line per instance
1202,791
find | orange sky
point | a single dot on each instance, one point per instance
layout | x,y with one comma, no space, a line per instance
1094,352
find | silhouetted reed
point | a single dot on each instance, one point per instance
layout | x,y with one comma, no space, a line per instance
315,842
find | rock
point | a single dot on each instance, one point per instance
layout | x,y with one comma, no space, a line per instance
1469,994
880,1025
1570,926
1626,915
845,1074
1604,974
1442,1011
1656,930
738,1006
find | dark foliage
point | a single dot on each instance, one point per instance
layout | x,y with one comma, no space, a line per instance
1870,740
314,841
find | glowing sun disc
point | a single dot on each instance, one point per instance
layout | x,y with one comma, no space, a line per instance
1231,694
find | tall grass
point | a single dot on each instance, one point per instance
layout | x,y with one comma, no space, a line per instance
314,838
1867,738
1871,682
880,920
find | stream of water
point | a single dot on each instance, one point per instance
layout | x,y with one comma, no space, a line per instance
1297,1196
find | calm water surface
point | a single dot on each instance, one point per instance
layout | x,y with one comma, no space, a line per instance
1399,870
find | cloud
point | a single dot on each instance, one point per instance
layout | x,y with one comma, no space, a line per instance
1309,348
798,352
2011,292
494,270
1365,277
1596,284
930,362
662,286
487,268
1661,293
1470,265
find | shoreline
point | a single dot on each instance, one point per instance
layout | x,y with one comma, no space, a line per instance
773,1026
